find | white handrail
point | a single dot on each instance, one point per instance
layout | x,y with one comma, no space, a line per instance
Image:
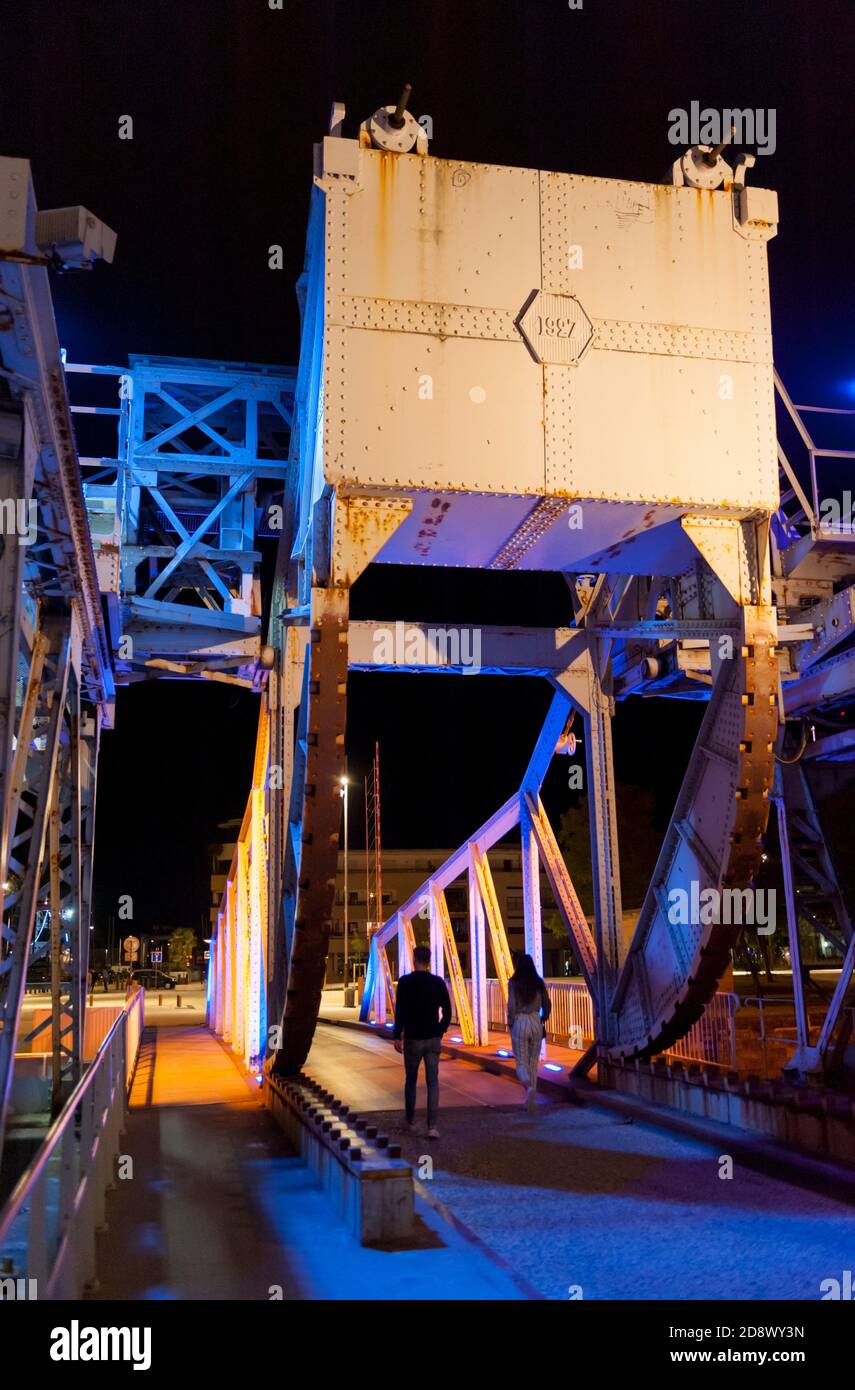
711,1039
47,1227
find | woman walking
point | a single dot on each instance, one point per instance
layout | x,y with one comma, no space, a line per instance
528,1010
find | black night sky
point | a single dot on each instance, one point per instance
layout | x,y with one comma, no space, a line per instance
227,98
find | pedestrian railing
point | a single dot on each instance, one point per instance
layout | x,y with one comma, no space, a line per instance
47,1227
571,1022
713,1037
572,1018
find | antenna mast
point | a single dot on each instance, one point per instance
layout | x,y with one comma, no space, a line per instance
373,851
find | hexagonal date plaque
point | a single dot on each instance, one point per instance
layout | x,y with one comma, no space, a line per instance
554,327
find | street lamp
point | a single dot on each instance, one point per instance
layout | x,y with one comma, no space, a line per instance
343,794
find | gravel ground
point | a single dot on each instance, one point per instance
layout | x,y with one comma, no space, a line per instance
575,1196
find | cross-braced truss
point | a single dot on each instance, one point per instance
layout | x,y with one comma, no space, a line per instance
178,513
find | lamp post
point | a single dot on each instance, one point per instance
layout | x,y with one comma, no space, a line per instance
343,794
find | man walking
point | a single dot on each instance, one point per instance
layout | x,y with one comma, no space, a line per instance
422,1014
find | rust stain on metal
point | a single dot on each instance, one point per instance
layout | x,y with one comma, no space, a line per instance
356,524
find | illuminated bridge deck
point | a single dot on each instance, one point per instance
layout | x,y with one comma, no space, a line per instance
576,1196
220,1208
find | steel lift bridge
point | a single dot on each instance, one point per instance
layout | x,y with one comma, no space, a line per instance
139,564
501,369
510,369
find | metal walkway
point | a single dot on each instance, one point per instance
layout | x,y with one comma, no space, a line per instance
219,1207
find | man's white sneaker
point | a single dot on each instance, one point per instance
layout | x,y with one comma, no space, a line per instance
433,1133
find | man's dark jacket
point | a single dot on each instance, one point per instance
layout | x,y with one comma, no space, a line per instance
422,1006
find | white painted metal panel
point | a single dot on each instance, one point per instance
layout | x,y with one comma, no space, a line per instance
643,426
430,383
474,431
436,230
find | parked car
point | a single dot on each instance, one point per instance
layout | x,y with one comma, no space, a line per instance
150,978
39,971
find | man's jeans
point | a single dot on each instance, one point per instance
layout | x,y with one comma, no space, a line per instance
414,1050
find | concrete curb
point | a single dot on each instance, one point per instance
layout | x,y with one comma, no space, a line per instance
445,1214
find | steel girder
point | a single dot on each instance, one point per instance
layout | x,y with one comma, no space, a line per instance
716,609
202,450
32,797
303,761
814,889
647,997
56,684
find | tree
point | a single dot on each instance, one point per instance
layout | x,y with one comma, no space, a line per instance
182,944
639,846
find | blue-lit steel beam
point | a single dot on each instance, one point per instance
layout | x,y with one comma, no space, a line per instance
196,439
53,648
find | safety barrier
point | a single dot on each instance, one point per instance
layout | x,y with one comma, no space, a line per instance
571,1022
47,1227
713,1037
572,1016
818,1122
98,1021
364,1175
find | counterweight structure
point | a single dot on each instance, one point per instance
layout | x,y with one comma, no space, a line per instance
500,369
520,370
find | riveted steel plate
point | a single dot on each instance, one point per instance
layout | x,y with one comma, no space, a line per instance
555,328
457,303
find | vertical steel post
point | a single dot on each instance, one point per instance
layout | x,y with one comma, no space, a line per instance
241,946
230,963
40,781
13,483
55,950
477,958
274,796
602,813
379,985
531,888
437,960
255,1041
346,902
802,1031
405,951
86,732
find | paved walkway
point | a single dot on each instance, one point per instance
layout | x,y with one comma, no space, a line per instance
556,1064
576,1198
218,1206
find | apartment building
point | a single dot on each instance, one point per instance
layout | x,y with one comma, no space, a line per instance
404,870
222,853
